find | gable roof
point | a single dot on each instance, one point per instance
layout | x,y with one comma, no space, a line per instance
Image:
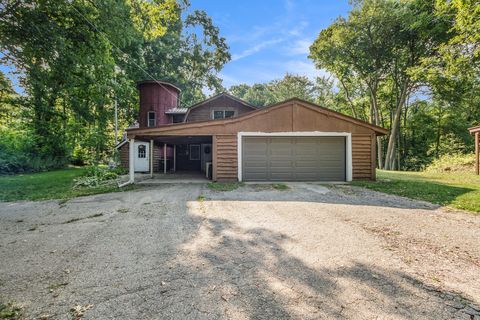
215,97
314,107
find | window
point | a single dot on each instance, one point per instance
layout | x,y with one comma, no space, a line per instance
142,151
177,118
229,114
194,152
151,119
222,114
217,115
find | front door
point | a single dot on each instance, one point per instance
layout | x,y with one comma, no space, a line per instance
142,156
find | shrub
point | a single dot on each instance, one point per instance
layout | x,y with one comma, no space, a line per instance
98,175
452,162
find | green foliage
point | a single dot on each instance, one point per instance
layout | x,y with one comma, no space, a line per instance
459,190
56,184
290,86
387,53
225,186
453,163
16,154
9,311
280,186
75,58
96,176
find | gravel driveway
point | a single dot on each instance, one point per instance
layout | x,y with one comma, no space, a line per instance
185,252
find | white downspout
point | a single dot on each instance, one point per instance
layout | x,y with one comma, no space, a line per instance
131,164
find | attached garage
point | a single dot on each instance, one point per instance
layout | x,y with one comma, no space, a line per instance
293,158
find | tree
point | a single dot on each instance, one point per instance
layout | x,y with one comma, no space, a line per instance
290,86
359,47
76,57
377,46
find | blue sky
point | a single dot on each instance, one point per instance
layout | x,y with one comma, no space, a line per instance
268,38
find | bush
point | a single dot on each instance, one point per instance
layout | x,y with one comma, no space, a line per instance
98,175
17,154
453,163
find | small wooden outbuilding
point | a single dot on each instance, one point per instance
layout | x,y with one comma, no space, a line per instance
476,132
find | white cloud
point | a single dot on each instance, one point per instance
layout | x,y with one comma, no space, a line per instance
299,47
305,68
298,29
255,49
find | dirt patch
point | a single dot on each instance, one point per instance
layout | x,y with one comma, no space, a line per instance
96,215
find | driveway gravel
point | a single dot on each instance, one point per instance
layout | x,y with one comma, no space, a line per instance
180,251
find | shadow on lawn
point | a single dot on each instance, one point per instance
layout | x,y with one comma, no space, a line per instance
246,273
430,191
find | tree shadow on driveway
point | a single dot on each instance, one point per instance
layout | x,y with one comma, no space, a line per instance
247,273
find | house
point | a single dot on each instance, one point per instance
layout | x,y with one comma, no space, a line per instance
294,140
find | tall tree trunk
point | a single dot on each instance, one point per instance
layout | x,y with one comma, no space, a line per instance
392,141
375,119
438,133
350,102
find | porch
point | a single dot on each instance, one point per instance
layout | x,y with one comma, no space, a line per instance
166,159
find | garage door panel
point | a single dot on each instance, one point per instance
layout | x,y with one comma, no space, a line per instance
256,177
293,158
281,163
256,163
281,176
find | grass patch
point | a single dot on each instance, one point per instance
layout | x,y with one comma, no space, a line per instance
459,190
225,186
280,186
123,210
56,184
9,311
201,198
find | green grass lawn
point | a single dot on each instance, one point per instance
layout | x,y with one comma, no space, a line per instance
48,185
459,190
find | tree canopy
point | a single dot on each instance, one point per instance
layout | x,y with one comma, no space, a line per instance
75,58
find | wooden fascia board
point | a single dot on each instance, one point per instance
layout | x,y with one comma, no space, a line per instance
190,125
472,130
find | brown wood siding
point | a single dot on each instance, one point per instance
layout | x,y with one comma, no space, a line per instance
291,116
362,157
204,111
157,155
124,156
158,99
225,158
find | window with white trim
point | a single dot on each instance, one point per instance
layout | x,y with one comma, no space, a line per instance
222,114
151,119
